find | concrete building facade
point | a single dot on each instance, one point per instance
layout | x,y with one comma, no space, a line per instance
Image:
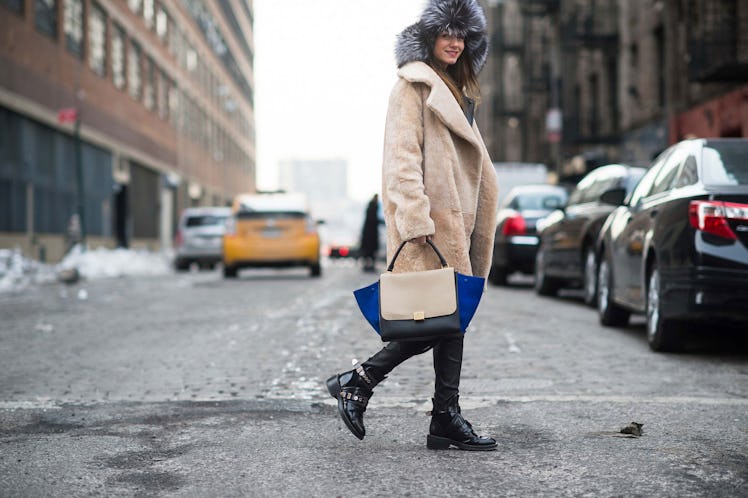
123,112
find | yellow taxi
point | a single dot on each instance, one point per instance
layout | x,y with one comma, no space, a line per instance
270,230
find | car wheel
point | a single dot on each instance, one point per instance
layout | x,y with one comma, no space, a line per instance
660,330
544,285
182,265
590,276
497,275
609,312
229,271
315,270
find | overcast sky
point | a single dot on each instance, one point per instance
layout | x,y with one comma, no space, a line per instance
323,73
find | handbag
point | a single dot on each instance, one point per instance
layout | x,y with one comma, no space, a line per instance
423,305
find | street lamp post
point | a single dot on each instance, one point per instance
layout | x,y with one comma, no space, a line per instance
79,180
73,115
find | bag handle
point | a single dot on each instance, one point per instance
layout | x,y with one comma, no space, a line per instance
397,253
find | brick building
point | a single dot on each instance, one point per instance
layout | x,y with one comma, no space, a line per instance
629,77
162,91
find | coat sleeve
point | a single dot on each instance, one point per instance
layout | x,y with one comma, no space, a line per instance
402,168
482,238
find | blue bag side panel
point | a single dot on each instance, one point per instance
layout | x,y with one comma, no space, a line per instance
469,293
368,302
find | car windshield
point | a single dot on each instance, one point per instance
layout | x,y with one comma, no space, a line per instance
538,201
725,163
205,220
258,215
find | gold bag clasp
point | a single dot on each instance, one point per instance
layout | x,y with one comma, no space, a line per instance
418,316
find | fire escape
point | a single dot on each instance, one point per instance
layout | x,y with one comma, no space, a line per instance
540,84
717,40
508,51
521,47
590,32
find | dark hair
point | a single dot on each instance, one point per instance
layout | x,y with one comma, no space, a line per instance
459,77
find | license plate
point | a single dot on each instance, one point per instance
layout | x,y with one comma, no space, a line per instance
524,240
271,233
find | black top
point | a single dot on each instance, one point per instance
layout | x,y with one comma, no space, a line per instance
469,108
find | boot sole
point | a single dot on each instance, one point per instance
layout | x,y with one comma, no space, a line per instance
443,443
333,387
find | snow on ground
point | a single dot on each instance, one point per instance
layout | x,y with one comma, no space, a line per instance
18,273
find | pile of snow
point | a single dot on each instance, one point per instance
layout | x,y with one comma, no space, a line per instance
18,273
103,263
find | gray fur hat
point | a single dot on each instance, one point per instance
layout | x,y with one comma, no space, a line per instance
463,18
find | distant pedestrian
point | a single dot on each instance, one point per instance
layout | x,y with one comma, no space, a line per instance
370,235
438,183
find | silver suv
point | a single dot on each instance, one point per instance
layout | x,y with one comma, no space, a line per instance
199,237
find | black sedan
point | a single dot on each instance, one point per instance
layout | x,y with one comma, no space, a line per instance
516,241
677,249
566,255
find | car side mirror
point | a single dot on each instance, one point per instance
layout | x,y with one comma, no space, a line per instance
614,196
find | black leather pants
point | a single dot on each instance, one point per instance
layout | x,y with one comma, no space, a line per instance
447,364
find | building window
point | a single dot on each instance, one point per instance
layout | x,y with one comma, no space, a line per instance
149,11
13,5
133,71
97,40
134,5
634,56
162,24
163,91
118,57
593,123
45,17
190,60
148,85
659,37
172,93
73,23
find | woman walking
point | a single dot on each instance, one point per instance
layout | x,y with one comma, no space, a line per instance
439,184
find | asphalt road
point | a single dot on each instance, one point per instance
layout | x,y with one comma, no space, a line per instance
191,385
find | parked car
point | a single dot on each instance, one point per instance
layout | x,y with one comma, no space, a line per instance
516,241
199,235
270,230
677,249
566,253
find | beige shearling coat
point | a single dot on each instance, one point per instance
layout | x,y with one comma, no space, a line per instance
437,177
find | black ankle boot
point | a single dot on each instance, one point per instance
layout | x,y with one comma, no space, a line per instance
352,389
449,428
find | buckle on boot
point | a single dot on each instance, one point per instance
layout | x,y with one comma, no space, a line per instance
362,373
356,395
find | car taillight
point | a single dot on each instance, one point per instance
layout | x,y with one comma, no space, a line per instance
514,225
178,239
711,217
343,251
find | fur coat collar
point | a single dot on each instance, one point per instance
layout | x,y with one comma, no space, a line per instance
442,102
